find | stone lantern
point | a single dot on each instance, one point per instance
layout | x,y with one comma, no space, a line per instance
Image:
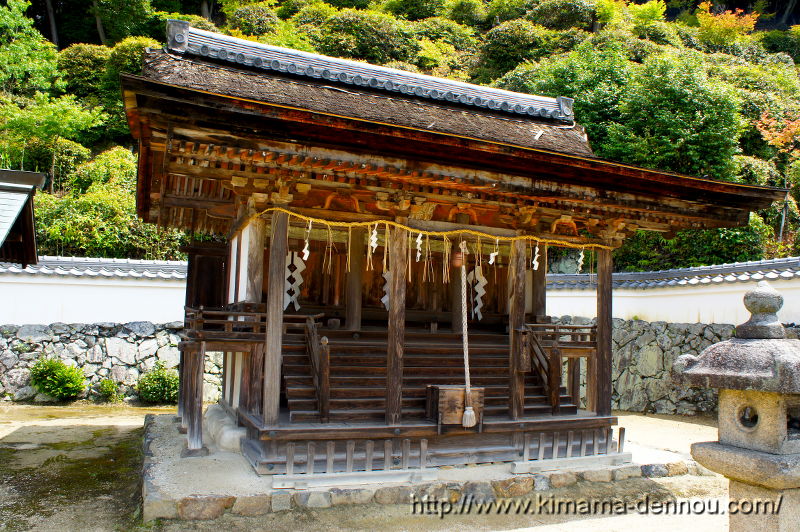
758,376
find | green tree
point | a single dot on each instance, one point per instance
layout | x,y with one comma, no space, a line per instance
673,117
597,78
467,12
27,60
43,119
414,9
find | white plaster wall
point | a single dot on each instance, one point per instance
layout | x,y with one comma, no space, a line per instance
709,303
50,299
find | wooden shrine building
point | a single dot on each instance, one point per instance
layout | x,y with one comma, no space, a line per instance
343,199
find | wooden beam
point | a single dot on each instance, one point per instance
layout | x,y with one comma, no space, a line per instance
603,360
353,290
398,263
274,326
516,320
540,286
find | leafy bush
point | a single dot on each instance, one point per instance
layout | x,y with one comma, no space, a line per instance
513,42
648,13
289,8
467,12
755,171
414,9
109,391
651,251
158,385
82,67
724,28
54,378
254,19
101,223
502,10
460,37
126,56
787,42
368,35
659,33
562,14
117,166
314,14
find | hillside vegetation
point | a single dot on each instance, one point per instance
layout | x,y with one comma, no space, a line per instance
703,89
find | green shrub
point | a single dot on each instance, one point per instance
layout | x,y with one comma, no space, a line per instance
462,38
117,166
414,9
368,35
159,385
755,171
126,56
314,14
659,33
467,12
82,67
290,8
513,42
498,11
562,14
254,19
54,378
109,391
787,42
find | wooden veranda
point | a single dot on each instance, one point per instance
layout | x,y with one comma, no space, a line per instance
339,194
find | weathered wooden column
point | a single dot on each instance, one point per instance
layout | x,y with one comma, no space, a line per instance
278,248
602,366
193,406
255,236
516,320
354,283
540,287
398,263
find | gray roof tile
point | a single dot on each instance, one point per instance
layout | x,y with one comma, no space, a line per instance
772,269
100,268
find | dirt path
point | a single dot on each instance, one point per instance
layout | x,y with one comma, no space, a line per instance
78,468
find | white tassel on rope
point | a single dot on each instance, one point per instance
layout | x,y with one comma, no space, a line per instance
468,420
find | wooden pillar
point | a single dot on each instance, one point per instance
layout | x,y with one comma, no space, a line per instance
181,394
193,405
274,326
257,234
398,263
516,320
354,285
540,287
602,367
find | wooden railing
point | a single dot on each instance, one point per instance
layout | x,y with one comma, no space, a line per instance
320,356
548,345
221,324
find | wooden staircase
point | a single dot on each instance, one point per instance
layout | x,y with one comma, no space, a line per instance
358,375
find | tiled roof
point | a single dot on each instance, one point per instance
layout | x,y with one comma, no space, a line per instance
184,39
737,272
100,268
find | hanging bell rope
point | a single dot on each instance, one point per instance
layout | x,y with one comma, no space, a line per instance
468,420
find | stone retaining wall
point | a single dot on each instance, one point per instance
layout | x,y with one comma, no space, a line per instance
121,352
643,355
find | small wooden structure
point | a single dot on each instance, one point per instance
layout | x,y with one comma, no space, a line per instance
339,191
17,224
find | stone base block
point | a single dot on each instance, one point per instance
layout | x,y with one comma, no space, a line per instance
757,509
